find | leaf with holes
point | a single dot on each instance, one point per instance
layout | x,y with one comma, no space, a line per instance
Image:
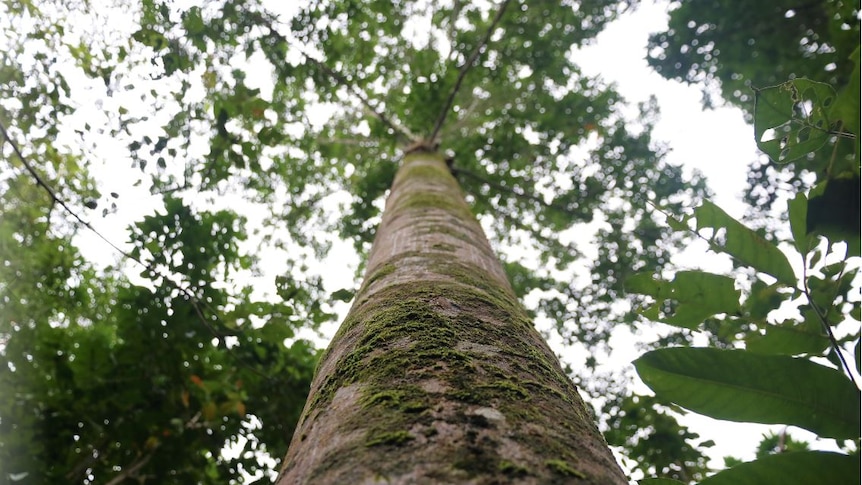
791,120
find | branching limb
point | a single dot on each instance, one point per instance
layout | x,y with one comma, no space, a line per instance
400,131
516,192
465,68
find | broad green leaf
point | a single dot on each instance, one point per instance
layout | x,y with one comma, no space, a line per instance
659,481
834,211
791,120
789,339
744,244
846,109
697,295
794,468
762,299
797,210
738,385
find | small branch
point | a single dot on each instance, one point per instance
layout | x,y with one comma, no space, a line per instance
400,131
132,470
463,119
466,68
450,32
511,190
823,321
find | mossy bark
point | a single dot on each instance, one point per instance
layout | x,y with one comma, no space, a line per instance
437,374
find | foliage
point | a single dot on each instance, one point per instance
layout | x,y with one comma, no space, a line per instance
738,48
100,372
656,440
780,376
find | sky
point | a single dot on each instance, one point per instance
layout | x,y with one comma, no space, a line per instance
717,143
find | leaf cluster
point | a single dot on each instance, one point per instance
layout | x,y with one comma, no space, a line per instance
782,369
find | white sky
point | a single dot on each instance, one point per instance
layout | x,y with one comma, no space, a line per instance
718,143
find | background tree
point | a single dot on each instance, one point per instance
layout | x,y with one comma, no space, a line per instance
214,106
733,49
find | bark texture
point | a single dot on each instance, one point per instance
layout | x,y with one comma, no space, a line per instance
437,374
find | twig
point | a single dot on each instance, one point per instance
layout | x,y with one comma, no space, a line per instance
441,118
132,470
823,321
450,32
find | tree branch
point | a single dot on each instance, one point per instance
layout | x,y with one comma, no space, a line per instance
821,315
132,470
513,190
400,130
466,68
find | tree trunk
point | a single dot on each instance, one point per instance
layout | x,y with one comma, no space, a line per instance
437,374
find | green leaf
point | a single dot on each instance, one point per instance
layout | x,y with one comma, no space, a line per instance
858,353
343,294
659,481
151,38
744,244
763,299
698,295
737,385
797,210
846,109
789,339
794,468
834,211
791,120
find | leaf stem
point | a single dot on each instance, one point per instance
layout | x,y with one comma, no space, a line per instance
823,321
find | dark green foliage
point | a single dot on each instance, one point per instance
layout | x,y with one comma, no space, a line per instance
741,45
108,373
739,49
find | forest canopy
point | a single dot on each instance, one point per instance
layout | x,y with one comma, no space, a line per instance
246,140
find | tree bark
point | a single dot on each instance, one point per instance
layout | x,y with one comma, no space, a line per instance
437,374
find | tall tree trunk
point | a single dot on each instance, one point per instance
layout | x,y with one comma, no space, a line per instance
437,374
